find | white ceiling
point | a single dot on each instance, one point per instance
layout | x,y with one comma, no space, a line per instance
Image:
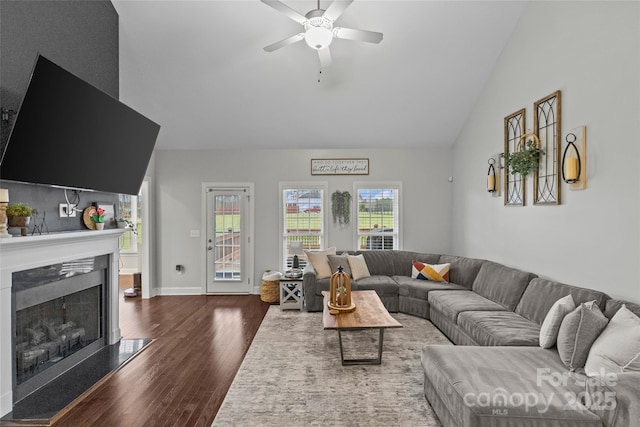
198,69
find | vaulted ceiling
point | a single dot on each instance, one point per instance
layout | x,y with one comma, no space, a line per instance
199,69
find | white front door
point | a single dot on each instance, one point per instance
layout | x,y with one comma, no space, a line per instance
228,239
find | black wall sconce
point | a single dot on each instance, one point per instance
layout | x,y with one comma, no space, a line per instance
494,176
574,159
492,181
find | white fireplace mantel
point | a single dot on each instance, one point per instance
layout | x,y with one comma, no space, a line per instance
23,253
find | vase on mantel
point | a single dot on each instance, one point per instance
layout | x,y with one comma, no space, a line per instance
99,225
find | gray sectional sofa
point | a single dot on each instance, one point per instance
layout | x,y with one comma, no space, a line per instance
497,374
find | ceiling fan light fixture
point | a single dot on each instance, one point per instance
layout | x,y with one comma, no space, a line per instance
318,37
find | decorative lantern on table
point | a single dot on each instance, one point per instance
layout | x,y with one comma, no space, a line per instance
340,293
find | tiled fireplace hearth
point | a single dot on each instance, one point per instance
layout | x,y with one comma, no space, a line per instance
64,289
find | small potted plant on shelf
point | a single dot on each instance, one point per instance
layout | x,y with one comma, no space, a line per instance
525,159
97,215
19,214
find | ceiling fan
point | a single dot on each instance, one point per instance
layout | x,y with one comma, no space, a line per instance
319,31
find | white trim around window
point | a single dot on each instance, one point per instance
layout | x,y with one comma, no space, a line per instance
393,225
320,236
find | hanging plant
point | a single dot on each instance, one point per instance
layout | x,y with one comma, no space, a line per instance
526,157
341,207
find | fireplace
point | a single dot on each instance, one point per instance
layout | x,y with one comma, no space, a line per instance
59,319
58,306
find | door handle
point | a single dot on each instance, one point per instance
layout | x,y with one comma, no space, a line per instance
209,248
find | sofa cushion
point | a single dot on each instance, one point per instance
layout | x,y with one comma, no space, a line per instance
616,402
379,262
452,303
432,272
384,285
541,294
553,319
403,260
416,288
501,284
506,386
578,331
613,305
463,270
492,328
617,346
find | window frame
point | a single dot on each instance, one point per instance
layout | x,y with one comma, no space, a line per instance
133,249
375,185
323,235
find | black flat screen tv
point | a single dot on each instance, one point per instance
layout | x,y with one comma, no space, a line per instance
70,134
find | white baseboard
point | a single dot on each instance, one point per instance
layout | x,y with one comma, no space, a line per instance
177,291
186,291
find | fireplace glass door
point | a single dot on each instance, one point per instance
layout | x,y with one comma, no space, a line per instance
59,319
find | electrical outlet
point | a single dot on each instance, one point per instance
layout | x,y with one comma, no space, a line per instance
66,211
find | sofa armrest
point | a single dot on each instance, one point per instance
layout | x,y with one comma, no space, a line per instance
614,398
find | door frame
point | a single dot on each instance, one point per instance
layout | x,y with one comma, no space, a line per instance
145,261
250,227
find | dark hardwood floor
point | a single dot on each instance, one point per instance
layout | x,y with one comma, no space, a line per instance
182,377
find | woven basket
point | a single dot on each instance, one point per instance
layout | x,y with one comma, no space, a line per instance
270,291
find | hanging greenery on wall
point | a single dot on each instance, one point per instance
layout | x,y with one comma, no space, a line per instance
341,207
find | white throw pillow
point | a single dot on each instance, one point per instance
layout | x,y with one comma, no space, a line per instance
358,266
617,347
320,262
553,320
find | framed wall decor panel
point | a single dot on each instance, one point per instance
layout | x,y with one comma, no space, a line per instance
339,166
514,126
547,125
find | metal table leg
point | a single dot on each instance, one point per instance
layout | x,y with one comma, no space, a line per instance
376,361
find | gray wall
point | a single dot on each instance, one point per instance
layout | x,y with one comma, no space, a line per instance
590,51
179,174
80,36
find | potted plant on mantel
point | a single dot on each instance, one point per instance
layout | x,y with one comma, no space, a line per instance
19,214
526,157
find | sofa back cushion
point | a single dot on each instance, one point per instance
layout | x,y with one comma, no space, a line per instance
541,294
613,305
379,262
404,261
501,284
463,270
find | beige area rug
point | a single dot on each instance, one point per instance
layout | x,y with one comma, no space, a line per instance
292,376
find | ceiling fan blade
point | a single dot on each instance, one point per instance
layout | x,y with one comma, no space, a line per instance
325,57
282,43
360,35
286,10
336,8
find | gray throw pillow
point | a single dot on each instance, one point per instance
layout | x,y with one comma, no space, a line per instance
339,260
578,331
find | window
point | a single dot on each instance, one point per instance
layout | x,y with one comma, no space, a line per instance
129,207
378,216
303,219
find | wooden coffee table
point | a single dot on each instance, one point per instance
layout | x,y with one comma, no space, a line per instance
370,313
